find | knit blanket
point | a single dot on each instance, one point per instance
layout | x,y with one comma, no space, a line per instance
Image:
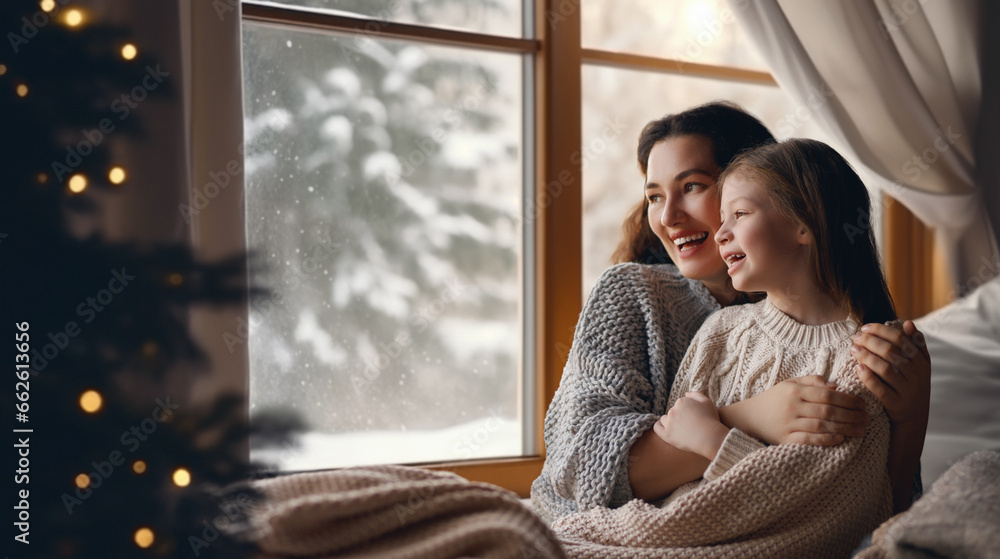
958,517
394,512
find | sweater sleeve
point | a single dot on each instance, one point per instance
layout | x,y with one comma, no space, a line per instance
607,398
735,447
707,360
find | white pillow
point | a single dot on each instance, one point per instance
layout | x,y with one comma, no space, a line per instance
963,339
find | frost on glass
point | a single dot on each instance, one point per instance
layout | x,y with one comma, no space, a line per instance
616,106
688,31
496,17
383,196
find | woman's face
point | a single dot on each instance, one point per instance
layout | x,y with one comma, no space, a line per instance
684,205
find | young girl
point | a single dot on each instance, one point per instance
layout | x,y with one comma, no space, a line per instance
784,207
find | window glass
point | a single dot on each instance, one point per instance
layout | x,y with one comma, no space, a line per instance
383,205
494,17
618,103
698,31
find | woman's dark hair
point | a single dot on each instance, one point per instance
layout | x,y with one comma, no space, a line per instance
810,183
731,131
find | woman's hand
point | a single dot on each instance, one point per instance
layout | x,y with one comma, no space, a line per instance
896,367
806,410
693,425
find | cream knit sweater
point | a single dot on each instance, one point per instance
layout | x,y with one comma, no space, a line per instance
755,500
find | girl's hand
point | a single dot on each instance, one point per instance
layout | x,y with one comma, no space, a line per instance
693,425
896,367
806,410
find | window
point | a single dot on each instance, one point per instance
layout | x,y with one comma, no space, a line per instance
384,199
430,204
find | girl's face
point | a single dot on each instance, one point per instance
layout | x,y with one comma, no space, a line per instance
763,249
683,206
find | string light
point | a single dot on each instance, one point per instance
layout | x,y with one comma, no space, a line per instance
175,279
82,481
182,477
150,349
77,183
74,17
22,90
144,537
91,401
129,51
3,69
116,175
42,178
47,5
139,467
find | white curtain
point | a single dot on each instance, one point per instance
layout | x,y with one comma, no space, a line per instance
185,171
906,79
210,42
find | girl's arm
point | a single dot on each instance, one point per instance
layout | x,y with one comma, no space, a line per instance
896,367
806,410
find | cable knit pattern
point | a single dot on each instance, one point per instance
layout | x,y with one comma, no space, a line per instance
787,500
629,341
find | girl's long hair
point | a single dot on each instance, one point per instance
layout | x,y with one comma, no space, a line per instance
810,183
731,131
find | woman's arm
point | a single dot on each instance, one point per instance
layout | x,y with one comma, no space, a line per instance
682,443
896,367
611,393
656,468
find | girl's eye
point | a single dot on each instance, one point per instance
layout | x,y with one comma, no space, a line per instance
653,198
739,213
693,186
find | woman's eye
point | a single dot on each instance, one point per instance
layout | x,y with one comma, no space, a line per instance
653,198
692,186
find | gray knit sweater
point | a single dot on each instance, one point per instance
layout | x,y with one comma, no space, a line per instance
629,342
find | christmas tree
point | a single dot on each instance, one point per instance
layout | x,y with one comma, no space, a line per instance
108,461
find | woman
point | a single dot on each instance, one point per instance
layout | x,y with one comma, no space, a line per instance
601,449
